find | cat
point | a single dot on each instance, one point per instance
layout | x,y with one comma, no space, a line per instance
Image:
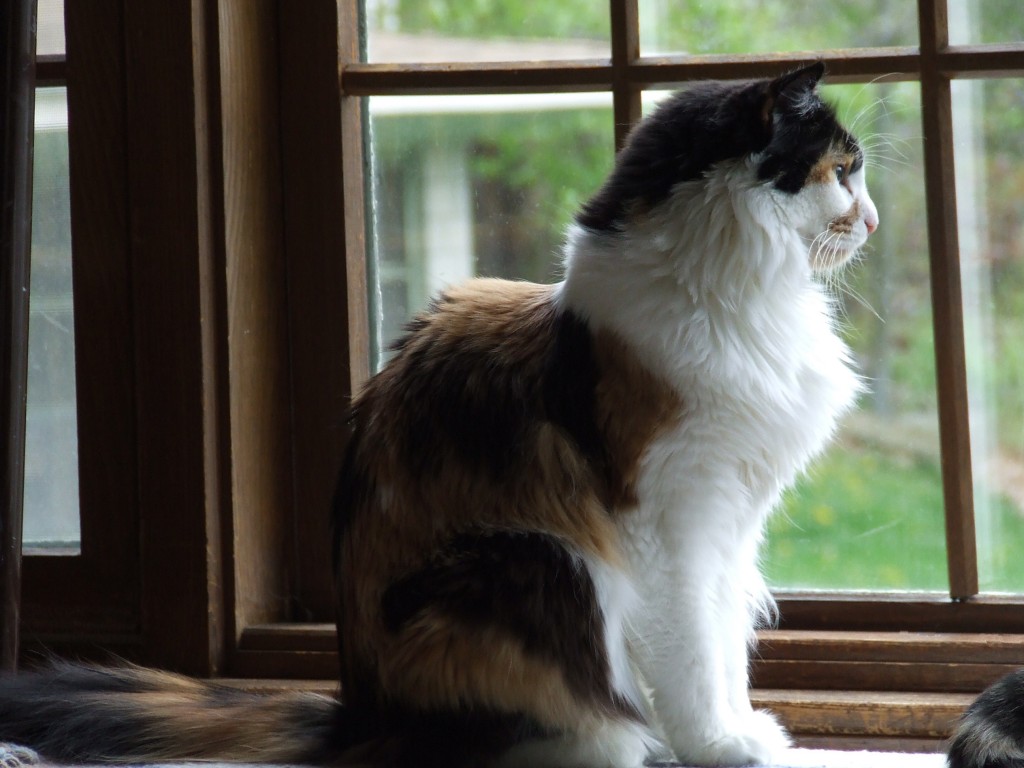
547,521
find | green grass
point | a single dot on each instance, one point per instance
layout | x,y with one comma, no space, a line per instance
868,520
861,520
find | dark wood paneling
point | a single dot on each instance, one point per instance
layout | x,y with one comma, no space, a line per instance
175,269
51,69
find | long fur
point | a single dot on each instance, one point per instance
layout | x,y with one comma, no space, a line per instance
547,522
991,732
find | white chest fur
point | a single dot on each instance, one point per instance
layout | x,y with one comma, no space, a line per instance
715,294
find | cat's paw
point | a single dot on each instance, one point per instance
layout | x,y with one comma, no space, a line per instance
14,756
755,739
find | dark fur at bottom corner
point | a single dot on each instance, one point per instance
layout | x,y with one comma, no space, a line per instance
991,732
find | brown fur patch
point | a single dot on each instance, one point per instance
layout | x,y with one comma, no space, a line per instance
438,662
246,729
846,222
824,171
633,408
497,412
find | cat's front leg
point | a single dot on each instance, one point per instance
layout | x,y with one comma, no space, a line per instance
692,650
750,606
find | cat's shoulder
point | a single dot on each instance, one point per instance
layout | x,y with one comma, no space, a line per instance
487,309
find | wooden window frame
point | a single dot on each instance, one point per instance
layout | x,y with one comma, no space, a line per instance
220,250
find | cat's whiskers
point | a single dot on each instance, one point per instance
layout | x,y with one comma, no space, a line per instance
878,109
837,284
825,250
882,150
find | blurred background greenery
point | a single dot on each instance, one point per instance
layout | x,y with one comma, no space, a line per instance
486,185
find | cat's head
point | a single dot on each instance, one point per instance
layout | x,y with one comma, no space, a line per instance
782,129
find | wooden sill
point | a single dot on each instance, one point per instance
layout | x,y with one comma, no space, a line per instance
842,720
879,720
913,662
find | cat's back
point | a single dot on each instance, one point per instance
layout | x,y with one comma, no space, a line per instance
465,379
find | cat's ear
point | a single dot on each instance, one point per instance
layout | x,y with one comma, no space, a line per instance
800,81
792,89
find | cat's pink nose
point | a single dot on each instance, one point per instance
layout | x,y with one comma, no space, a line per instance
871,222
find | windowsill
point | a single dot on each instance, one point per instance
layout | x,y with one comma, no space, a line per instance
794,758
831,729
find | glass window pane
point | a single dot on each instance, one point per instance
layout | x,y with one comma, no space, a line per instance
50,28
985,21
988,121
486,30
762,26
477,185
869,514
51,450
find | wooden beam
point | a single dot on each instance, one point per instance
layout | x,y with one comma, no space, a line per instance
257,533
638,72
626,103
947,303
176,265
324,241
17,133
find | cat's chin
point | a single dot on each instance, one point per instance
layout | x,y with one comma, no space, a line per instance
827,260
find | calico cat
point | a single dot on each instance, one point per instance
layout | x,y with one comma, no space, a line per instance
547,523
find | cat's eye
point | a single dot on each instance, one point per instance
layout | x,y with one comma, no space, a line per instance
841,173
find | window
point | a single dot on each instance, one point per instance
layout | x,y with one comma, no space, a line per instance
871,516
226,198
51,445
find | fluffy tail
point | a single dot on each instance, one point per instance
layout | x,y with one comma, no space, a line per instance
991,732
127,714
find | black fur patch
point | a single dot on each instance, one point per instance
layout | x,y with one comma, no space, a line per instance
351,489
443,739
570,388
805,129
711,122
470,398
482,402
528,585
688,133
